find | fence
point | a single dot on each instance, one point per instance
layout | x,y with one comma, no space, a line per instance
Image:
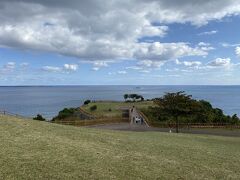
12,114
196,125
91,122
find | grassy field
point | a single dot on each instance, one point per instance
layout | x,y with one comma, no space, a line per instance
103,107
40,150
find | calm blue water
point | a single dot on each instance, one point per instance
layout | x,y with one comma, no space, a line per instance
29,101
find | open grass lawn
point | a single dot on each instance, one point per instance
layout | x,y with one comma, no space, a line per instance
113,109
40,150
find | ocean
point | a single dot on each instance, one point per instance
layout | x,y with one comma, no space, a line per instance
49,100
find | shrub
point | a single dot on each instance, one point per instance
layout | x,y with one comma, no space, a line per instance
66,113
87,102
93,108
39,118
109,109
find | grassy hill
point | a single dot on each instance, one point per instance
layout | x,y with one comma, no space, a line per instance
113,109
40,150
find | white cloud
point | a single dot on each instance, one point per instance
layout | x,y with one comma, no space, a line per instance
97,30
229,45
220,62
189,63
204,44
237,50
192,63
70,67
24,64
134,67
122,72
154,31
66,68
208,33
150,64
10,66
51,69
166,51
99,64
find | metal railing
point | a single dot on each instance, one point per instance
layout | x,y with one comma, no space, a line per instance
196,125
3,112
91,121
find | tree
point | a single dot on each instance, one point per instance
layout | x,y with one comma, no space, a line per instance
39,118
87,102
176,105
125,96
93,108
235,119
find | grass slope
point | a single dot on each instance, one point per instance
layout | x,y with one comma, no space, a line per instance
104,106
40,150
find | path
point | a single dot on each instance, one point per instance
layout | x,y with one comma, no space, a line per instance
136,118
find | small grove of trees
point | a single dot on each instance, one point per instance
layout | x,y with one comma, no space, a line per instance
180,107
133,97
39,117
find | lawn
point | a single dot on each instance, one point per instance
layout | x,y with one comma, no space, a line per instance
113,109
41,150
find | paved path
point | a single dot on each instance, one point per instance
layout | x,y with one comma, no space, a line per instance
135,115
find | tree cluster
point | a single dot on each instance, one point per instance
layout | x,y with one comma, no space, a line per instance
65,113
39,117
133,97
181,108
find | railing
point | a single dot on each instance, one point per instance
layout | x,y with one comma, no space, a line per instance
91,122
12,114
91,116
145,119
196,125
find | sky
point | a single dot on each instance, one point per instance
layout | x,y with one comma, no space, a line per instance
119,42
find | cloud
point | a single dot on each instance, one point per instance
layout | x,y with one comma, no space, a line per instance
166,51
208,33
65,69
150,64
229,45
51,69
192,63
24,64
70,67
122,72
150,30
189,63
220,62
237,51
101,31
134,67
99,64
204,44
9,66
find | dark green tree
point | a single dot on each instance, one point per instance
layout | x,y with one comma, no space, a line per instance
125,96
39,118
177,105
93,108
235,119
87,102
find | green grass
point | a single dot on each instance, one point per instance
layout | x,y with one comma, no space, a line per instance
40,150
104,106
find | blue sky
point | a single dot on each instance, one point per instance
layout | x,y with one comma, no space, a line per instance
114,44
